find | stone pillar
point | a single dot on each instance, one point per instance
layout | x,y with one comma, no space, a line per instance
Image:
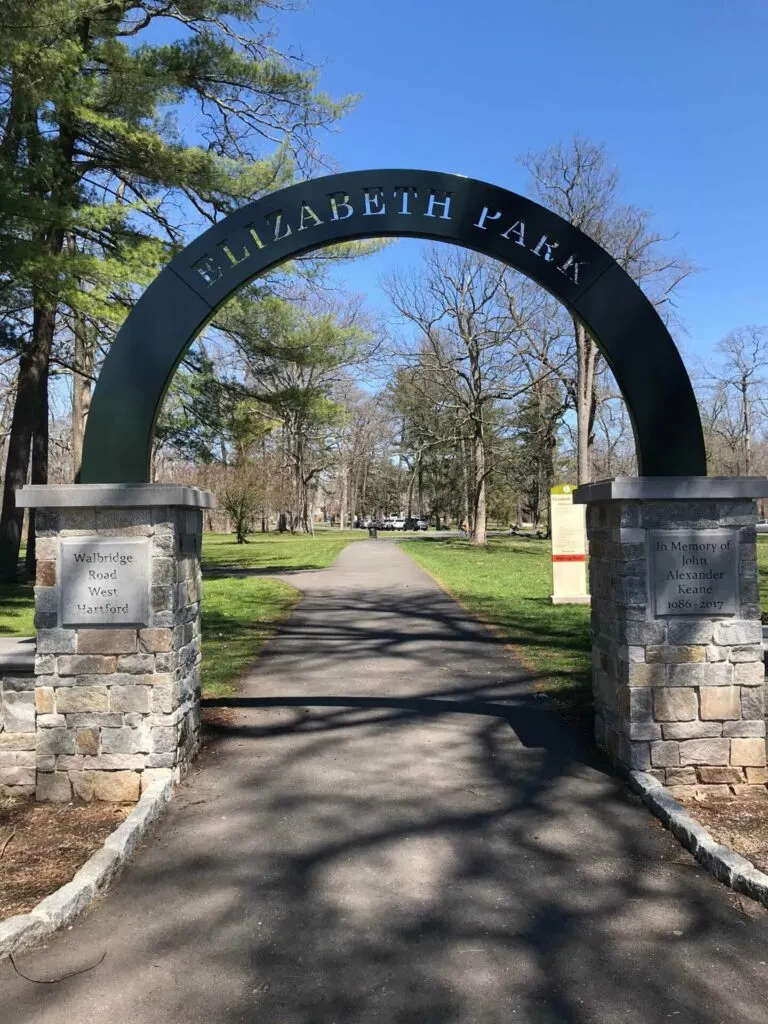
117,611
677,653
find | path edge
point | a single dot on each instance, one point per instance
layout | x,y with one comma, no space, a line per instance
721,861
21,931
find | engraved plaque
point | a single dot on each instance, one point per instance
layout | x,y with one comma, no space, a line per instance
104,581
694,572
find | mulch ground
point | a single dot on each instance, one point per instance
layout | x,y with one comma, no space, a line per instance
741,823
43,845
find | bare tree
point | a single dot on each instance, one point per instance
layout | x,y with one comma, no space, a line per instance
577,181
468,348
734,399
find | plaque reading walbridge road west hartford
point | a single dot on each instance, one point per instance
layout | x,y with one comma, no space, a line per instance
104,582
694,572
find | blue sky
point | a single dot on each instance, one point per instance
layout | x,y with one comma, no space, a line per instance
677,90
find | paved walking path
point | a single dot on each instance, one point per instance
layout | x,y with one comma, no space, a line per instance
396,831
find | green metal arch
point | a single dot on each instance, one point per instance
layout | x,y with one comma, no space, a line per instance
391,203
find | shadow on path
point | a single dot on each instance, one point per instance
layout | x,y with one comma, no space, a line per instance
394,830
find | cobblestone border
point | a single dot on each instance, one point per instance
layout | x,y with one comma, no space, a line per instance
729,867
21,931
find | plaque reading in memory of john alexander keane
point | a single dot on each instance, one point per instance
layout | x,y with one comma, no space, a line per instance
104,581
694,572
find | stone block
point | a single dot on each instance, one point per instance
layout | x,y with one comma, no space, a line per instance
169,760
704,792
136,664
45,664
641,730
82,699
130,698
681,777
74,521
715,653
44,700
162,599
756,776
633,754
85,664
46,762
748,752
46,548
45,621
151,775
51,722
53,787
107,641
165,662
708,674
753,703
665,754
691,730
19,711
18,684
96,720
155,640
56,741
750,673
18,740
47,600
163,572
738,631
164,740
162,699
667,655
45,573
70,762
15,777
635,704
115,762
677,704
128,522
720,776
752,652
714,751
87,741
82,785
746,792
751,728
116,787
125,741
720,703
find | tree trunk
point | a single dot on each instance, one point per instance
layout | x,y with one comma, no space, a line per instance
747,428
343,501
33,373
479,536
586,357
39,471
82,372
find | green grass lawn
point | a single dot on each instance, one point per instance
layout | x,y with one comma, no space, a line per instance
17,609
507,585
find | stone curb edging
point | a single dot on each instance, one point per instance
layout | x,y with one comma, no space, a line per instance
21,931
729,867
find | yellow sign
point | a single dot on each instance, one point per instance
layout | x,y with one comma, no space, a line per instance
569,547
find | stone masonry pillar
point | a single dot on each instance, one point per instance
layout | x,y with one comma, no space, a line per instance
117,611
678,672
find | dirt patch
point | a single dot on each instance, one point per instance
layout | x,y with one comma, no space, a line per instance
43,845
741,823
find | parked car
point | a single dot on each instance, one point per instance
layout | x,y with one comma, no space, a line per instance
398,523
415,523
762,525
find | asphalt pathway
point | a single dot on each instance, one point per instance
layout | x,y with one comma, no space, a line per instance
394,830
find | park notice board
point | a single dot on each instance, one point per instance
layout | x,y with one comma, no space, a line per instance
569,547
